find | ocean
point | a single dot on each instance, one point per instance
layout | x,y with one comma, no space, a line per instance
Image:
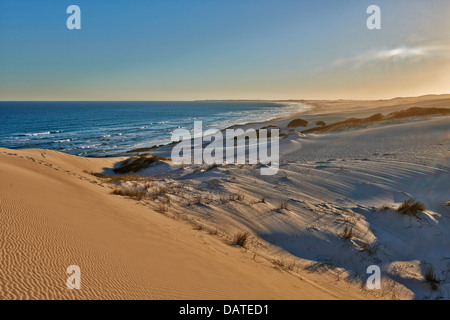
110,128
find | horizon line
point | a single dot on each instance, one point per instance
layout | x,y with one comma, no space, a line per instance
249,100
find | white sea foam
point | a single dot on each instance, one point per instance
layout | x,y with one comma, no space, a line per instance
37,134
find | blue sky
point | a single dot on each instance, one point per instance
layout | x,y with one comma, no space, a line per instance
191,49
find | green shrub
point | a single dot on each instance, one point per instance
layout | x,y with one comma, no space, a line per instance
321,123
298,123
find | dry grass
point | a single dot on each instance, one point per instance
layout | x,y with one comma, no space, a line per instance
355,123
162,190
282,206
240,196
284,264
233,197
431,278
138,150
417,112
371,250
373,118
352,123
132,193
411,207
213,232
241,238
163,208
198,200
384,207
347,234
214,183
211,167
321,123
223,200
120,178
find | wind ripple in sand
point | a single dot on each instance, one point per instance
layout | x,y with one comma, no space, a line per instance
51,218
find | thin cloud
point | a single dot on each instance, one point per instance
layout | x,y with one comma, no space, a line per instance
392,55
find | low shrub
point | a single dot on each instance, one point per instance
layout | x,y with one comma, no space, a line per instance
298,123
411,207
241,238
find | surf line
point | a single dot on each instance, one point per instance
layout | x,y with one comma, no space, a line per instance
236,147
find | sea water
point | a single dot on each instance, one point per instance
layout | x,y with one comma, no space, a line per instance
110,128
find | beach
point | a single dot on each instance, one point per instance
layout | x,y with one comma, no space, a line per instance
169,231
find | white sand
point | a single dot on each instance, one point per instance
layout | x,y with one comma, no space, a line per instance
55,214
337,180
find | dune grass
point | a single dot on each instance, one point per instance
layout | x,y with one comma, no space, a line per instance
431,278
241,238
385,207
131,193
355,123
298,123
417,112
282,206
321,123
137,163
347,234
284,264
411,207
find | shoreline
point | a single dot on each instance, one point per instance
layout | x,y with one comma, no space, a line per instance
252,119
317,110
248,124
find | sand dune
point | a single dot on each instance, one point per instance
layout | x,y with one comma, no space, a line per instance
175,240
53,215
332,181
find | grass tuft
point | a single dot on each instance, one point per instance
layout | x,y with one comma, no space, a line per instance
411,207
431,278
298,123
384,207
211,167
241,238
163,208
282,206
321,124
137,163
347,234
284,264
133,193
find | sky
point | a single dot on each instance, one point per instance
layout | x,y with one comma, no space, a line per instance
223,49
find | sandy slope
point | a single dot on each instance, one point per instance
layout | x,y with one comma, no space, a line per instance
53,215
328,182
